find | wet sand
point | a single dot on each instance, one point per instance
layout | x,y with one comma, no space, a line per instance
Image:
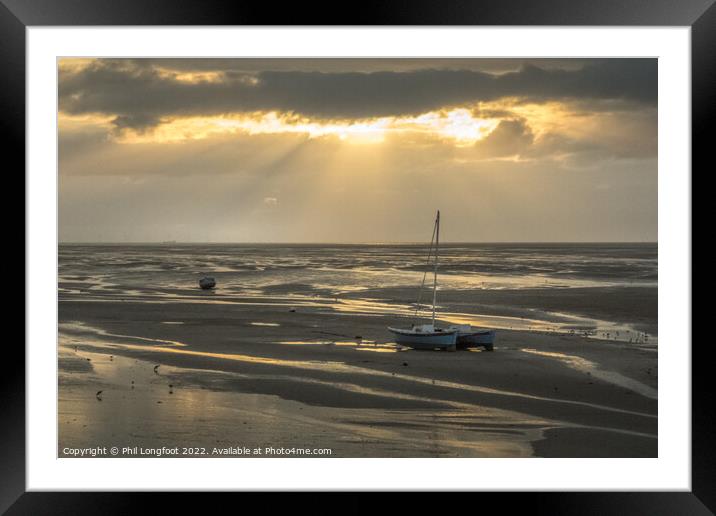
258,375
631,306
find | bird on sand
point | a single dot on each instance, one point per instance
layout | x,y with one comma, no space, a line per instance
155,368
99,395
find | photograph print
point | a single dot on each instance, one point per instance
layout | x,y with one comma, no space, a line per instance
357,257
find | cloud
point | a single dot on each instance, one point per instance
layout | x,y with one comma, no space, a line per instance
335,65
510,137
137,122
140,95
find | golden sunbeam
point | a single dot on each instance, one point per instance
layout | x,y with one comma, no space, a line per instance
459,126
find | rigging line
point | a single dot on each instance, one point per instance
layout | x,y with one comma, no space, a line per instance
425,273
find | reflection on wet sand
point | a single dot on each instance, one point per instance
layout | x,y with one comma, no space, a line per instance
587,366
550,322
358,345
336,367
83,328
195,415
361,410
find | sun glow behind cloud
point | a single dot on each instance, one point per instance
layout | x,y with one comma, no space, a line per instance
459,126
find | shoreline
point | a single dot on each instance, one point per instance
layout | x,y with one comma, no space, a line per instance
456,306
512,402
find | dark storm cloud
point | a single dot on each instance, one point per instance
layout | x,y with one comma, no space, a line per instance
139,95
340,65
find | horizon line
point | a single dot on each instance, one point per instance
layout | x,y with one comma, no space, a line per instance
187,242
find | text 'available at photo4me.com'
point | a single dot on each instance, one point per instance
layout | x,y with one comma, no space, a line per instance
184,451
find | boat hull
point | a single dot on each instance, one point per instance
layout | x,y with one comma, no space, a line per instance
415,340
207,283
485,338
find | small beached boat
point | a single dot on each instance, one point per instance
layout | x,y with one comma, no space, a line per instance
207,282
428,336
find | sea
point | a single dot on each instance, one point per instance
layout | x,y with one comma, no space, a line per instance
599,290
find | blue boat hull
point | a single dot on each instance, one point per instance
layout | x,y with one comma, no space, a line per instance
485,338
433,340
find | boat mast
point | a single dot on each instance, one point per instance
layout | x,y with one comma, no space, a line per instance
435,273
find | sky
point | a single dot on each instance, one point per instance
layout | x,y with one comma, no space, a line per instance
357,150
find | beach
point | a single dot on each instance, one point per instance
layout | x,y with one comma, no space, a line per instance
290,355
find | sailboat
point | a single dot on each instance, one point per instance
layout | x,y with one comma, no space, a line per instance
428,336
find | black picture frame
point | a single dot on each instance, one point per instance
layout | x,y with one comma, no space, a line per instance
700,15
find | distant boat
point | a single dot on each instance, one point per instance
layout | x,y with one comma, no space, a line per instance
471,336
428,336
207,282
